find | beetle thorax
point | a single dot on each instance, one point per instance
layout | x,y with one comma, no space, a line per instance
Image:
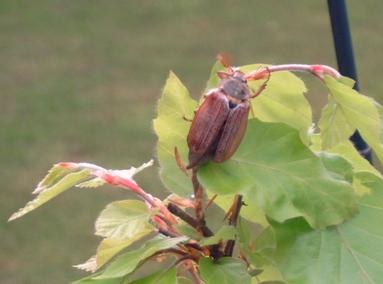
235,88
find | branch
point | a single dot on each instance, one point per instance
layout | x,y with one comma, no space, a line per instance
175,210
317,70
233,218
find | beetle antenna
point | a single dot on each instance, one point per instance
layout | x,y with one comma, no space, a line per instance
226,61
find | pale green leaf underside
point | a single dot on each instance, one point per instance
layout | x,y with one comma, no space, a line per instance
54,174
283,101
354,111
359,164
127,263
257,244
334,125
171,128
162,277
68,181
123,219
92,183
276,172
108,248
346,254
226,270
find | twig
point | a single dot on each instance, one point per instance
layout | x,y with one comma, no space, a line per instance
202,228
317,70
233,218
198,198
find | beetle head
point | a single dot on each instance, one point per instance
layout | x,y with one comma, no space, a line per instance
234,85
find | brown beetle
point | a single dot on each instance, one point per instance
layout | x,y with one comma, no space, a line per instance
220,122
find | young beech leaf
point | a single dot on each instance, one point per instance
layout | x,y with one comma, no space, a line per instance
226,270
269,275
108,248
275,171
347,111
337,166
359,164
92,183
123,219
334,125
54,174
171,128
65,175
257,245
52,191
161,277
128,262
345,254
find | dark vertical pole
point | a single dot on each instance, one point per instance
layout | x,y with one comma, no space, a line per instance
345,58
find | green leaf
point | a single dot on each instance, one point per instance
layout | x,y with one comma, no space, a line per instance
355,112
226,270
279,174
161,277
223,234
172,129
283,101
269,275
52,191
108,248
348,253
54,174
92,183
251,213
258,245
338,167
122,223
359,164
88,280
334,125
127,263
187,230
124,219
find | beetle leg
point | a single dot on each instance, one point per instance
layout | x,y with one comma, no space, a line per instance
187,119
263,86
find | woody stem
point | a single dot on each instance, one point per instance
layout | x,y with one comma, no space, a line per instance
233,218
198,199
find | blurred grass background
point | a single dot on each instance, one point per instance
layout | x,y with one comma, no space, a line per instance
79,82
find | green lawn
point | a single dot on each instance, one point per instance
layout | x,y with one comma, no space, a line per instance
79,81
